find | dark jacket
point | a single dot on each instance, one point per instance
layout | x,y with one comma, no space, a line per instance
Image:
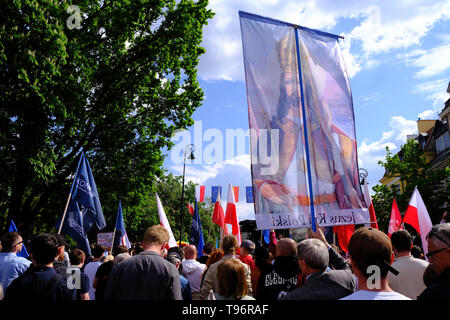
327,285
145,276
40,283
439,290
61,268
278,280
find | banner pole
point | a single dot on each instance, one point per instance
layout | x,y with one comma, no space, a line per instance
70,194
305,130
114,237
64,214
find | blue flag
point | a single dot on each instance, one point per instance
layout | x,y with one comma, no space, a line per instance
120,237
265,234
214,191
85,194
23,253
73,226
196,237
249,194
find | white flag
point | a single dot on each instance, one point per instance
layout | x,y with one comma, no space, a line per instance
164,222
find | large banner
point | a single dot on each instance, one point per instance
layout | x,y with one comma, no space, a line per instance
295,161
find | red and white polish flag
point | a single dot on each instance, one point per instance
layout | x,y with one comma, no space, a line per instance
231,214
395,222
200,193
219,215
165,223
417,216
368,199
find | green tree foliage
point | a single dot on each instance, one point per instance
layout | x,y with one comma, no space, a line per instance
116,87
414,169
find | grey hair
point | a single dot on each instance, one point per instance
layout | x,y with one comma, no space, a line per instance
441,232
121,257
314,252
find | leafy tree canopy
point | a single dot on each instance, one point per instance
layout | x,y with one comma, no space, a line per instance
116,87
413,167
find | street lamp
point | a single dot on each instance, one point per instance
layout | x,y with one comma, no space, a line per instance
362,175
189,148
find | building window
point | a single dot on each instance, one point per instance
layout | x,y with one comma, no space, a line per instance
443,142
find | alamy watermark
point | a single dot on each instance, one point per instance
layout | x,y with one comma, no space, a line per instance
74,21
264,147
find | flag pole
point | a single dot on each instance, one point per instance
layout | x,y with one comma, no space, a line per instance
209,232
114,238
305,130
70,194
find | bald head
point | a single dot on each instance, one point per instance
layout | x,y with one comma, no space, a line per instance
286,247
190,252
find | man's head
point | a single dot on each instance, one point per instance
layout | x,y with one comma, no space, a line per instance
247,247
98,251
43,249
155,239
229,244
286,247
207,248
190,252
77,257
401,242
370,247
12,242
312,256
61,247
175,259
119,249
439,247
416,252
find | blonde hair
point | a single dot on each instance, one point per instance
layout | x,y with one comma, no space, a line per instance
231,279
156,234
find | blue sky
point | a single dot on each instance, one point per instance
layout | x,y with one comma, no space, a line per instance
397,55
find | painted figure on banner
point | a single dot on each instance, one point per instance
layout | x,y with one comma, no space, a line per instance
275,105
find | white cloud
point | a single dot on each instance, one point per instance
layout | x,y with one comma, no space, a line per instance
435,91
369,153
428,115
378,28
432,62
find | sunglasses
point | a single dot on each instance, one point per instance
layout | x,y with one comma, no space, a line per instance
18,243
432,253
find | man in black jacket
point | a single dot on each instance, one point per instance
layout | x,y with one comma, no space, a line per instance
320,282
147,275
439,256
283,276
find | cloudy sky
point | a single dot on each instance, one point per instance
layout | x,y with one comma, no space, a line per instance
397,55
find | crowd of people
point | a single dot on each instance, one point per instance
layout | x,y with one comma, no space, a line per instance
376,267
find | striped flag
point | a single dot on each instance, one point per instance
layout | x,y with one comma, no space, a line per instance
200,193
120,234
164,222
395,222
417,216
368,199
219,216
236,193
231,215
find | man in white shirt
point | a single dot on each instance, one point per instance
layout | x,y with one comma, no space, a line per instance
91,268
11,266
409,281
371,258
193,270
